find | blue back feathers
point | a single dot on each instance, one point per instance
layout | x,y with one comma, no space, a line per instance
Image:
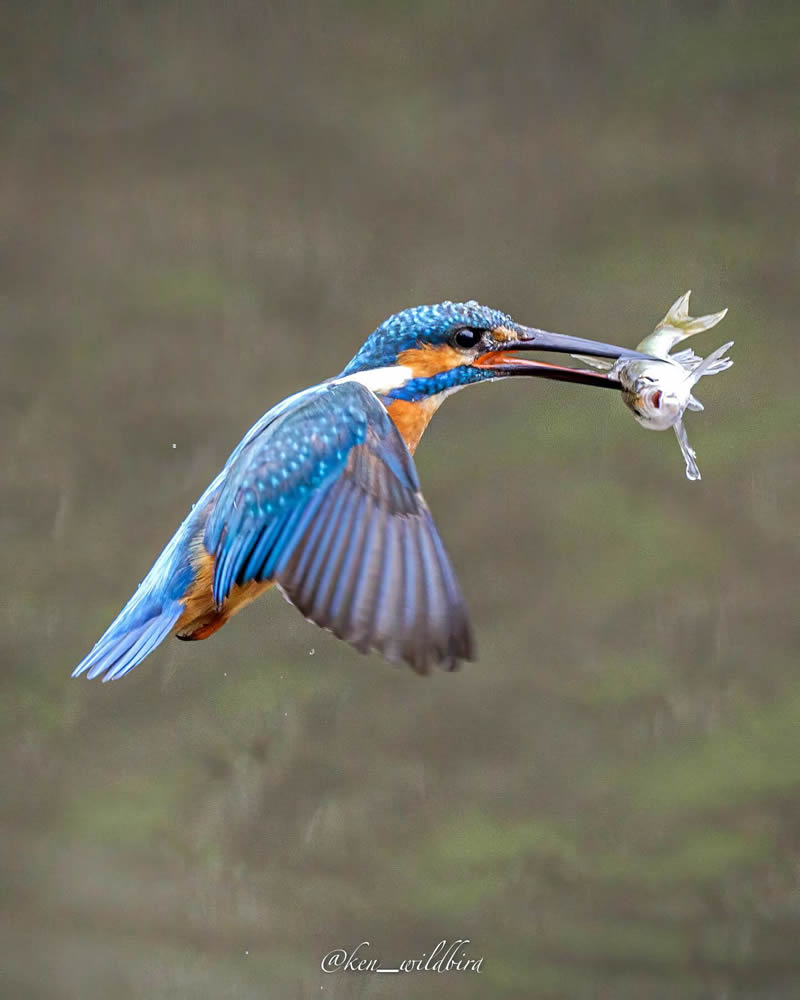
272,483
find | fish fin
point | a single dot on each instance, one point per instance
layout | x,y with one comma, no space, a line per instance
604,364
694,404
688,452
687,358
713,364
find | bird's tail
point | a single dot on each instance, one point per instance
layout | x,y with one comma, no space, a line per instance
155,609
137,630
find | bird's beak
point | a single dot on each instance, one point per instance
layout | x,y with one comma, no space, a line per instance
501,361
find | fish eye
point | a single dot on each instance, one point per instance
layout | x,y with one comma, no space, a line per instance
465,337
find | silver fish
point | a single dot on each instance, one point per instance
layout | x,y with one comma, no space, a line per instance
659,392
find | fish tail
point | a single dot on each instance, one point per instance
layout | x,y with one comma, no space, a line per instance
697,324
677,325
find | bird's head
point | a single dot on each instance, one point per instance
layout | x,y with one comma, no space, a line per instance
430,350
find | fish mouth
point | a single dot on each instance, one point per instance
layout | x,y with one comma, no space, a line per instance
503,362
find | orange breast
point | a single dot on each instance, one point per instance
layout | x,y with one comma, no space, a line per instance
411,419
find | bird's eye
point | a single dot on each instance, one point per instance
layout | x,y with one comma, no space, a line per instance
466,337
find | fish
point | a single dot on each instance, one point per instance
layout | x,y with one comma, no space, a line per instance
659,391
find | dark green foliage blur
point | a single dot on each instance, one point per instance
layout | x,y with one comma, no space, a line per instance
204,207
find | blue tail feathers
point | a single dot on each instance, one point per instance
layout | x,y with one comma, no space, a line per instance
155,609
129,639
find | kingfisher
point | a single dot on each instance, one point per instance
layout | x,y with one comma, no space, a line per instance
321,499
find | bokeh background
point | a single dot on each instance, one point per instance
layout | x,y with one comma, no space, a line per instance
204,207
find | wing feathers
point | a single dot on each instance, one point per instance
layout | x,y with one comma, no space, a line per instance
352,542
316,531
382,583
328,565
326,502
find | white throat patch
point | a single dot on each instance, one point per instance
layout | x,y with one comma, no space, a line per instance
380,380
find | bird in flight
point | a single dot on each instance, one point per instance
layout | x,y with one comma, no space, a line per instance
321,499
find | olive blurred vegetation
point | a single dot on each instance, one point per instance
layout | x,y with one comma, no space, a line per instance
204,207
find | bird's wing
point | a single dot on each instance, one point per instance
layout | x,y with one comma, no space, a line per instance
326,502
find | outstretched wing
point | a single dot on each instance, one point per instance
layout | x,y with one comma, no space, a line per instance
326,502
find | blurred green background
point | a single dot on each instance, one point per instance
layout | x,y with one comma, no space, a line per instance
204,207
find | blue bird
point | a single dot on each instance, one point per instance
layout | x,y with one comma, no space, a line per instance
321,498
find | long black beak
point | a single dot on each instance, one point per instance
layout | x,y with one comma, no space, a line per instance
501,362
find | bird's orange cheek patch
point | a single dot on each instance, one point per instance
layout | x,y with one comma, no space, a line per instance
430,360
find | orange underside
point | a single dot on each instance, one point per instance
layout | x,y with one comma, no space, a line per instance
411,419
201,618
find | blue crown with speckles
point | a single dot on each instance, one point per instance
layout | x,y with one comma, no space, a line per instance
422,325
